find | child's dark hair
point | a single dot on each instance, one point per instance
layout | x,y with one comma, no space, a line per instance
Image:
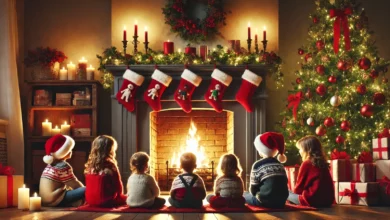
138,162
188,162
101,151
313,148
229,165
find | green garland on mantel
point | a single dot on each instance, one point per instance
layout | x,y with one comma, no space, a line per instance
219,56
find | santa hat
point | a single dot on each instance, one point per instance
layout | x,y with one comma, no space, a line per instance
268,143
57,147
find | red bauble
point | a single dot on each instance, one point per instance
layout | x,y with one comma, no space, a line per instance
364,63
320,130
361,89
308,57
329,122
342,65
308,94
320,45
340,139
320,69
379,98
374,74
332,79
366,111
315,20
301,51
345,126
298,80
321,89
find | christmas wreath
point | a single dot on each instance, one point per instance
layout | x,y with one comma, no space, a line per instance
178,16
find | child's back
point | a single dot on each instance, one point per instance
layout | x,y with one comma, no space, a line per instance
188,190
142,190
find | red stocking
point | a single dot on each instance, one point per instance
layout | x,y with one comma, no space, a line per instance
160,81
183,94
126,94
219,82
249,84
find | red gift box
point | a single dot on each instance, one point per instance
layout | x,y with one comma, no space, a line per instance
364,170
292,175
384,191
340,166
352,193
81,121
9,185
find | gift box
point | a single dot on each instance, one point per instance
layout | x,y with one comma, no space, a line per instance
340,166
292,175
9,185
352,193
382,169
363,172
384,191
81,121
380,148
63,99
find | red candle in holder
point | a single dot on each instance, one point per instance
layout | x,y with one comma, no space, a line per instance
265,34
124,33
203,51
168,47
83,64
249,30
190,50
136,28
146,34
256,36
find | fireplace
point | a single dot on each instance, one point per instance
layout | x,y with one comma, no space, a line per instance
163,135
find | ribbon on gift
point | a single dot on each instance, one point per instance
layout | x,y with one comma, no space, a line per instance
293,102
353,193
386,183
369,170
380,149
8,171
341,21
336,155
365,157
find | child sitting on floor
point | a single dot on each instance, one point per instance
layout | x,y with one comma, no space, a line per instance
268,180
314,185
142,189
58,175
102,177
188,189
229,187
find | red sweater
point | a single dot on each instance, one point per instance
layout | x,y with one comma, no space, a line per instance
314,186
104,190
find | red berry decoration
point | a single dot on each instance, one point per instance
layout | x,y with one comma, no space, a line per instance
320,130
321,90
298,80
340,139
301,51
320,69
361,89
374,74
366,111
342,65
315,20
379,98
345,126
332,79
320,45
329,122
308,57
364,63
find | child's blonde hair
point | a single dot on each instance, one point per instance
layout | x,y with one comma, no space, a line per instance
312,147
229,165
138,162
188,162
103,149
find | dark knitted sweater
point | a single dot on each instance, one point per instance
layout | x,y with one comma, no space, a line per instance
269,182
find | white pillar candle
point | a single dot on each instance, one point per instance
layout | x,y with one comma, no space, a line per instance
46,128
65,129
55,131
90,72
63,74
35,203
71,71
23,198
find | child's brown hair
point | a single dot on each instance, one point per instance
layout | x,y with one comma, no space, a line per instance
313,149
138,162
188,162
103,149
229,165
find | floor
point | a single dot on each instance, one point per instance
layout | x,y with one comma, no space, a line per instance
337,212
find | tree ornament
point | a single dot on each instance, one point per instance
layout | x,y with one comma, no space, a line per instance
342,65
298,80
292,134
364,63
385,80
374,74
340,139
335,101
301,51
320,69
332,79
320,45
320,130
379,98
366,76
310,121
315,20
366,110
321,89
308,58
308,94
361,89
325,58
345,126
329,122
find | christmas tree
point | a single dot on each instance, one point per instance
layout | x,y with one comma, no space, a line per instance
341,90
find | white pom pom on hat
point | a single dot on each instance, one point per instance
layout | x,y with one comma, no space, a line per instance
268,142
57,147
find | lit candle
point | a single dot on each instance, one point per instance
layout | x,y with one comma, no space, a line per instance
190,50
168,47
35,203
136,28
71,71
203,51
23,198
265,33
46,128
179,50
90,72
63,74
83,64
249,30
256,36
65,129
55,131
146,34
56,68
124,33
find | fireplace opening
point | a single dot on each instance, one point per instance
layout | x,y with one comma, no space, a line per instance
204,132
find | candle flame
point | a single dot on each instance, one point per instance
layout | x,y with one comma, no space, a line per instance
70,62
65,123
136,22
124,27
47,121
168,40
24,186
90,66
63,68
146,28
179,50
82,58
56,127
265,28
35,194
249,24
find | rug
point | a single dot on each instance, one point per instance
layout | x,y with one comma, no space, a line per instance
205,209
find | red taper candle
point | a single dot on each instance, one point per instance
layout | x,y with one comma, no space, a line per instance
265,33
146,34
124,33
136,28
249,30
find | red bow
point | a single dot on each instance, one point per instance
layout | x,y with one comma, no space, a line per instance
365,157
293,101
341,20
335,155
385,133
353,194
6,170
385,182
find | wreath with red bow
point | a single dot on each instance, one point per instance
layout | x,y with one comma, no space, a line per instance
190,29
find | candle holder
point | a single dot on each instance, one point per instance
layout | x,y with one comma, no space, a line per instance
264,45
249,44
256,47
146,47
124,46
135,43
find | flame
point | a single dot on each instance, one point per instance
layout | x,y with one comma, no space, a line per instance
192,145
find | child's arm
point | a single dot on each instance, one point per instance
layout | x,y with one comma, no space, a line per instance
217,189
173,191
73,182
301,179
203,193
153,186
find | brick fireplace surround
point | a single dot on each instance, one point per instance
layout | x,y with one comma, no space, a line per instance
160,134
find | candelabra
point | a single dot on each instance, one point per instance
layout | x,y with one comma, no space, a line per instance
124,47
146,47
249,44
256,47
135,42
264,45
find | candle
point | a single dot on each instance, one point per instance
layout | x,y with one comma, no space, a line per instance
55,130
83,64
256,36
35,203
71,71
203,51
136,28
56,69
168,47
249,30
179,50
46,128
23,198
146,34
90,72
265,33
124,34
63,74
190,50
65,129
